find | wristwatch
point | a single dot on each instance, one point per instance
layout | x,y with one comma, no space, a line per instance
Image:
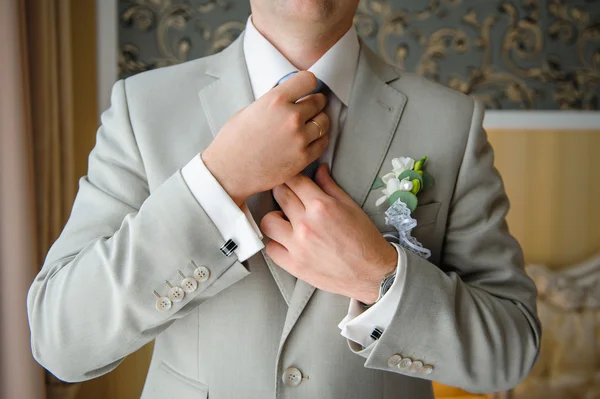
384,287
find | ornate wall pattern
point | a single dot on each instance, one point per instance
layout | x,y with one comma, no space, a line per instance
511,54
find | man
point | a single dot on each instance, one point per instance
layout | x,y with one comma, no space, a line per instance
162,242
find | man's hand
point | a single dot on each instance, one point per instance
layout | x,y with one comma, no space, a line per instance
327,241
271,140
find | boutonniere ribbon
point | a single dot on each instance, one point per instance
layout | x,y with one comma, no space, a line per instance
400,189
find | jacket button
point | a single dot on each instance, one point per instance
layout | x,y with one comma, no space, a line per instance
176,294
163,304
416,367
201,274
394,360
405,363
292,377
189,284
426,370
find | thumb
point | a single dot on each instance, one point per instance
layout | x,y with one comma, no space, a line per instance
326,183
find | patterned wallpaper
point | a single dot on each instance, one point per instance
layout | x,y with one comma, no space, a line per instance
511,54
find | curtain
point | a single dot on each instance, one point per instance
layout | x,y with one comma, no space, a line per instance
50,55
50,58
38,115
20,376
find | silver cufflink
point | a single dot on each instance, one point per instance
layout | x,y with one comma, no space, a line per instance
189,284
175,293
376,333
228,247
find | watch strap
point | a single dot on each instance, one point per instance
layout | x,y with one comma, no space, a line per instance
384,287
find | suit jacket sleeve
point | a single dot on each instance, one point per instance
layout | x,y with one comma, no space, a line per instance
473,317
92,303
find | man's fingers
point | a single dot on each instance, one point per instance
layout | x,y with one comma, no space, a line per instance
297,86
317,147
311,105
304,188
274,225
317,129
330,187
278,253
288,201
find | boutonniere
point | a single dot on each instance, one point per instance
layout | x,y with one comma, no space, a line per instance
401,188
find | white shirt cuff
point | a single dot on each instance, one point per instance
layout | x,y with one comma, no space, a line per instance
360,322
233,222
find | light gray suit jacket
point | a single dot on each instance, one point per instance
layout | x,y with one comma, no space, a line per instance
469,311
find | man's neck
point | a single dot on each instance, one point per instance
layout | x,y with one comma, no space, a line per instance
301,46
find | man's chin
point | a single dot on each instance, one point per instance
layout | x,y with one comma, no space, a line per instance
314,11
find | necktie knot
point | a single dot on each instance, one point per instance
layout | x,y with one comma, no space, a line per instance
321,86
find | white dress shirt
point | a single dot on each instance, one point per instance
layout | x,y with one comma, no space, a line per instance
266,66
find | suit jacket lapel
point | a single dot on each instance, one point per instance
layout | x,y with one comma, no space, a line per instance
373,115
231,90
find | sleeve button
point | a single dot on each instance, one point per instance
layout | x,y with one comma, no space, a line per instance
405,363
162,302
201,274
189,284
426,370
394,360
175,294
417,365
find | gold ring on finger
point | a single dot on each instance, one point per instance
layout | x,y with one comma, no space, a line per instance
318,126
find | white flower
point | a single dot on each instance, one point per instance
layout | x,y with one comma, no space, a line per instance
406,185
389,176
402,164
393,185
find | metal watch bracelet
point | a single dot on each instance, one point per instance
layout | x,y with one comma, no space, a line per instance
384,287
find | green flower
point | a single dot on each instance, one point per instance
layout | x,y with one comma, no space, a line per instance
420,163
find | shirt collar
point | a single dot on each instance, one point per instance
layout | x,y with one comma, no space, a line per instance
266,65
